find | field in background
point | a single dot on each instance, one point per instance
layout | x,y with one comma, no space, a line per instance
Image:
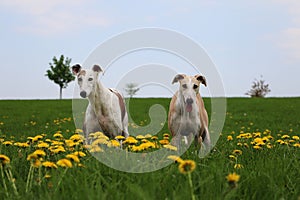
259,142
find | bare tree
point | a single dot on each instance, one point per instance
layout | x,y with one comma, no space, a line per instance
259,88
131,89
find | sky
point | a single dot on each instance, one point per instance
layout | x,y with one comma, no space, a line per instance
244,40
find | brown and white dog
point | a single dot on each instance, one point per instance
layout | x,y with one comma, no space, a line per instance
187,115
106,110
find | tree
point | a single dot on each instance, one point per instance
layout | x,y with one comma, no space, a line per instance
259,88
60,73
131,89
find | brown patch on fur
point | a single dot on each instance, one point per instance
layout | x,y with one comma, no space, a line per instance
121,103
171,111
82,72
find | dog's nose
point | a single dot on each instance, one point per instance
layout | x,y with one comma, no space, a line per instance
189,101
83,94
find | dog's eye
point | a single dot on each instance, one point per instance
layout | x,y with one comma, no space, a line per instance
184,86
79,79
195,86
90,79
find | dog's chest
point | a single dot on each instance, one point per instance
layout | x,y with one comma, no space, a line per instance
187,123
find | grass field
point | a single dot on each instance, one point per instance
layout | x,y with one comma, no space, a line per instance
259,142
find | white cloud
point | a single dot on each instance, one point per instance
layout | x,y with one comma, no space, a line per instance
53,17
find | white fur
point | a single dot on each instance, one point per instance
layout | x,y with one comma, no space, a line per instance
103,112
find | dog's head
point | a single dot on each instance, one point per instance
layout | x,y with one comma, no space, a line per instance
189,88
86,78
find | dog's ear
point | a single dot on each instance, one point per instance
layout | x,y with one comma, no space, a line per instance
97,68
76,69
177,78
201,79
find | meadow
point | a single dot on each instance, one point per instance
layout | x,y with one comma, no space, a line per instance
257,156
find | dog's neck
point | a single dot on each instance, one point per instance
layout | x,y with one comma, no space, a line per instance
98,94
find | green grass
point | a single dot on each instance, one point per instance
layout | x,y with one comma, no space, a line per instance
266,174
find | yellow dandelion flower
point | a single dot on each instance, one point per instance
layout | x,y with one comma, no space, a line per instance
239,144
130,140
258,142
36,138
187,166
120,137
79,153
36,163
7,143
285,136
40,152
114,143
76,137
176,159
98,134
43,145
270,137
144,141
71,143
170,147
281,141
135,148
57,149
32,156
238,166
147,145
148,136
154,138
164,142
80,165
64,163
265,139
297,145
37,154
78,130
49,164
56,143
237,152
256,147
73,157
47,176
166,135
95,149
58,135
99,141
232,157
102,137
140,137
4,159
21,144
295,137
257,134
229,138
233,178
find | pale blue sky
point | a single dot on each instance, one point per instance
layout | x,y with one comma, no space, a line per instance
245,39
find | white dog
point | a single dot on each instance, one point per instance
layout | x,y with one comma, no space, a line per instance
106,111
187,114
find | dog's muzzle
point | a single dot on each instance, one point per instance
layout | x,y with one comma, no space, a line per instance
83,94
189,103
